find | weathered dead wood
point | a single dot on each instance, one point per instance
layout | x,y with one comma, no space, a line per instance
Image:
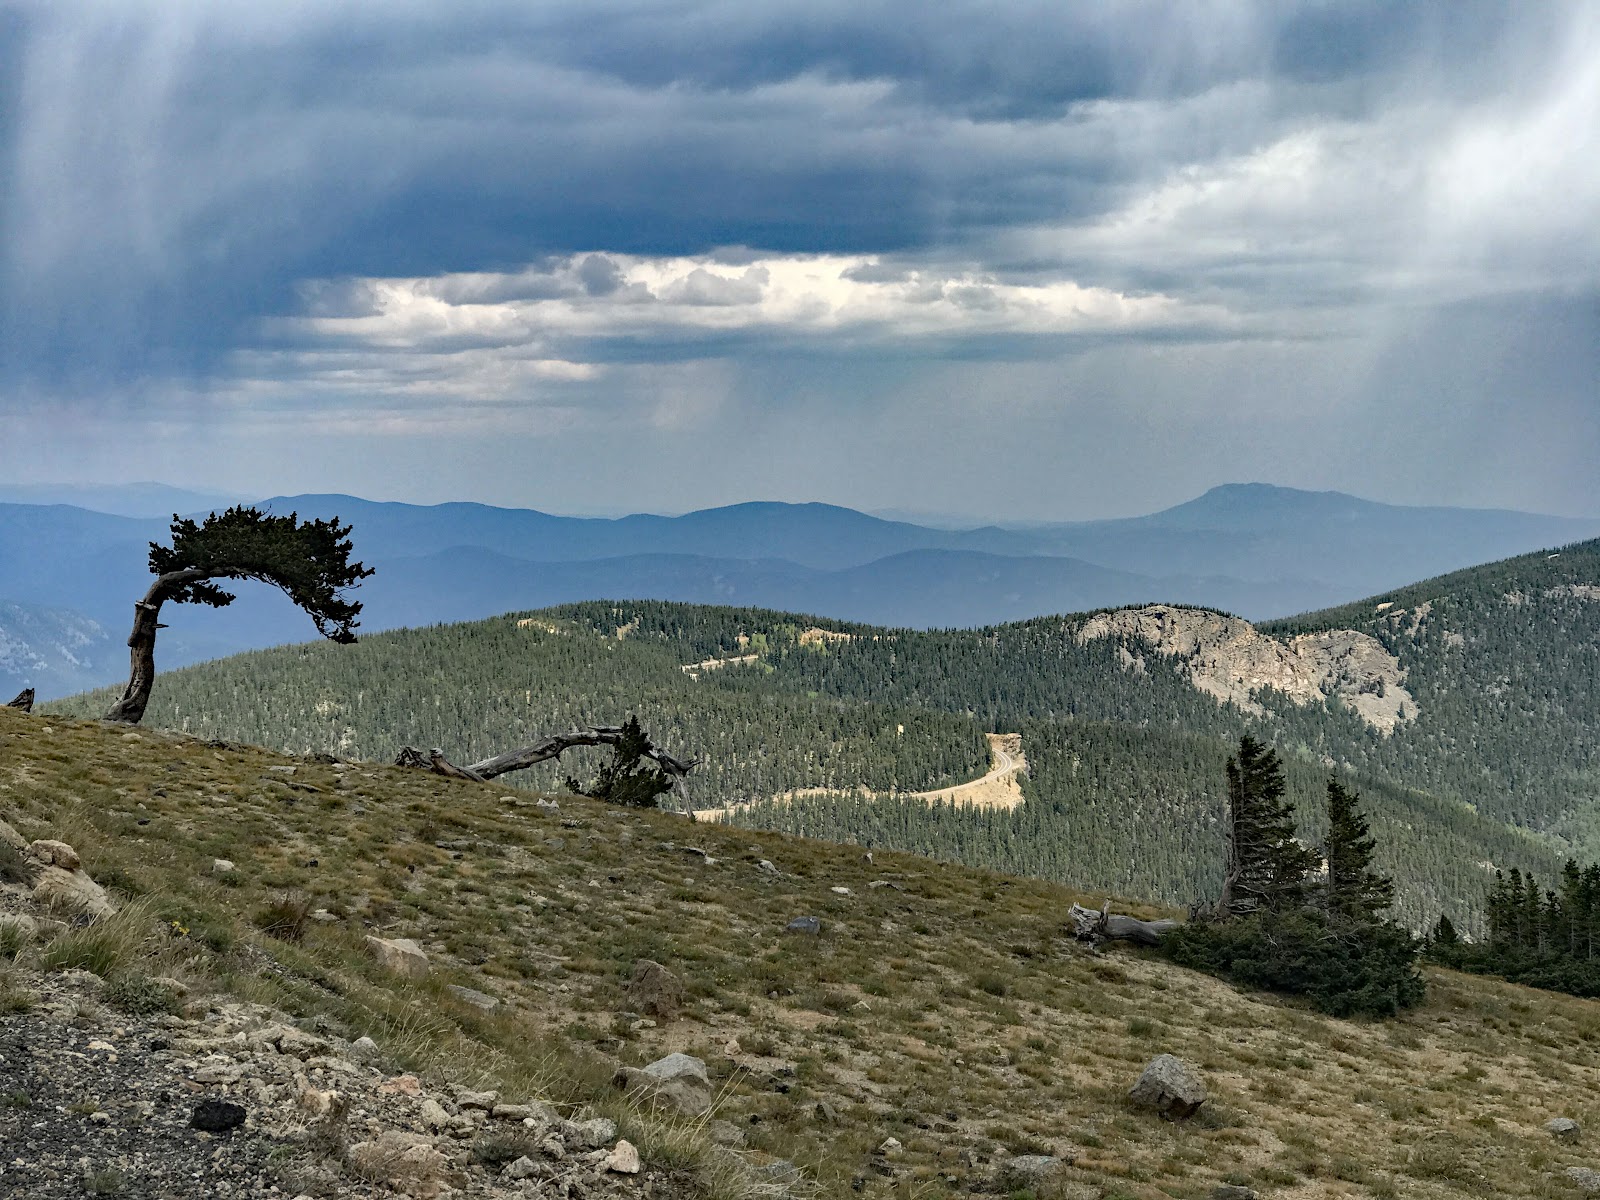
24,700
543,750
1107,926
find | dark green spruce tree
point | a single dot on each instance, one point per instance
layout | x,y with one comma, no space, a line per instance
1267,868
1264,933
1354,890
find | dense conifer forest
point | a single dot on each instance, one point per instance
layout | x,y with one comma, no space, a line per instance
1494,767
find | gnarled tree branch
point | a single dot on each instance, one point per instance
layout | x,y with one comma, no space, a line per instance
24,700
545,749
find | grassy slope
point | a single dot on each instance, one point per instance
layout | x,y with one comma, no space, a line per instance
951,1014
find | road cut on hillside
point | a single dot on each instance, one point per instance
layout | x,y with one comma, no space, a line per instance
996,788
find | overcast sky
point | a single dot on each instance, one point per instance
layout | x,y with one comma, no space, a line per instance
1028,260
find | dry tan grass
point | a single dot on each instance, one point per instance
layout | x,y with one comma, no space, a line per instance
949,1010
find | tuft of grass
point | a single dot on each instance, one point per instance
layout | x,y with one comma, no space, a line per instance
284,919
12,941
104,1181
104,948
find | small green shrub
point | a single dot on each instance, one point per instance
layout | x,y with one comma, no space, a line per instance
140,995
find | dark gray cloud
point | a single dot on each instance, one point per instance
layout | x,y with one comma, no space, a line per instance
525,214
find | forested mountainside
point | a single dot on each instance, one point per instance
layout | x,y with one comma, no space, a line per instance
1464,709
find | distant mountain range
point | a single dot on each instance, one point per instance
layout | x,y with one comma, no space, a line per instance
1257,550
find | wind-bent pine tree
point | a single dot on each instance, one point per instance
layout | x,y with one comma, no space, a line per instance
1354,890
309,561
1266,868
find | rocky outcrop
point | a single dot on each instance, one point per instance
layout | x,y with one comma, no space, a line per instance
1228,658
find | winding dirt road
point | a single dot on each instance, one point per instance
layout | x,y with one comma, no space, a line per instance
996,788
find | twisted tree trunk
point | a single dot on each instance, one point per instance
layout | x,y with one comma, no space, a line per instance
129,710
24,700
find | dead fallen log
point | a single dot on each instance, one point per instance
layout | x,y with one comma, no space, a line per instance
1107,926
24,700
543,750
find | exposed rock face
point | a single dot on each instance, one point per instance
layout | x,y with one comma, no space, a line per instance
1171,1087
1228,658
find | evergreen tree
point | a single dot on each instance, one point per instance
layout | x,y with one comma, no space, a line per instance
309,561
1267,867
1354,890
1444,933
626,780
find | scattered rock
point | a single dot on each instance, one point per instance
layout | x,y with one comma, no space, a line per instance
400,956
1027,1171
687,1093
434,1115
221,866
1171,1087
407,1161
522,1168
890,1146
766,868
679,1066
478,1000
624,1159
1563,1129
655,991
593,1133
804,925
1587,1179
365,1047
55,854
725,1133
486,1101
840,891
401,1085
216,1116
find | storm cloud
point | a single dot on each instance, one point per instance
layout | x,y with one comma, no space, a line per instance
1127,250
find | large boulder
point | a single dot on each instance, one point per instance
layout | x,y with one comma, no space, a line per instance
1171,1087
655,991
678,1081
1026,1172
399,956
1587,1180
60,883
1563,1129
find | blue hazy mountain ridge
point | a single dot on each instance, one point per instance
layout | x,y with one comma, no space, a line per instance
117,499
1253,549
920,588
